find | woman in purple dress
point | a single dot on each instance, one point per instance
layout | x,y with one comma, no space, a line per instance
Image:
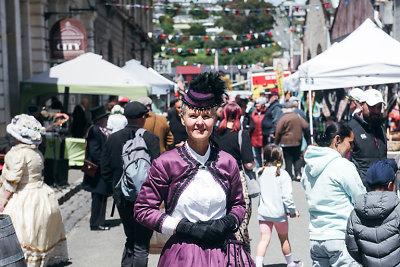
199,183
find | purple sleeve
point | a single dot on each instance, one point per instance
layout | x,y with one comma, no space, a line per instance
154,190
237,205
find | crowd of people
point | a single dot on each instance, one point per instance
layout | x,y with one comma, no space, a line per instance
196,188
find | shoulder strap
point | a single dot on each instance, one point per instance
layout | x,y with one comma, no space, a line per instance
240,139
140,132
87,135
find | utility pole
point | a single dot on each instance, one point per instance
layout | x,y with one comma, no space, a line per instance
291,35
230,62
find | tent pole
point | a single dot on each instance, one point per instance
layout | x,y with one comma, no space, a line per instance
66,100
310,115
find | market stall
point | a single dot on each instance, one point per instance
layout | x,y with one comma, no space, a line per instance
86,74
368,56
157,83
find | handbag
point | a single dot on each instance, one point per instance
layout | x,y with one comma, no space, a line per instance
253,187
89,168
236,255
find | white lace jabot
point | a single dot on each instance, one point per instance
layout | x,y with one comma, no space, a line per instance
203,199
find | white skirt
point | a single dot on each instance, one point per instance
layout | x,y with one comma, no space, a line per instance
37,220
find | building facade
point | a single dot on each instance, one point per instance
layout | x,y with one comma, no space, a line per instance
117,30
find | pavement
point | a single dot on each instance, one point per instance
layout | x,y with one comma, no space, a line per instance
92,248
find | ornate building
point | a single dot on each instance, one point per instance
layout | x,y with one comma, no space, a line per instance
117,30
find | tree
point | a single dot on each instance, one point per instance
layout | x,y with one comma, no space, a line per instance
257,21
196,29
198,12
167,24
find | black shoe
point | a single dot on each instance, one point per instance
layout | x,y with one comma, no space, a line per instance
99,228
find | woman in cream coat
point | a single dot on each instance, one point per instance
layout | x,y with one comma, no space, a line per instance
29,202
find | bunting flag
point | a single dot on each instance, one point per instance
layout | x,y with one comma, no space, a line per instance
227,50
247,36
213,67
227,10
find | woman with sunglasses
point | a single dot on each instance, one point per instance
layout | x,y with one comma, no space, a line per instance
331,184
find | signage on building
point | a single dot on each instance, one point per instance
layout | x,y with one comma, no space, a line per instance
162,66
265,81
68,39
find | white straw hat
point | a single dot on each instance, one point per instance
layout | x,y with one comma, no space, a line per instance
26,129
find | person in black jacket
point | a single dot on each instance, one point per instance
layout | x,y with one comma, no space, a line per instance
370,142
175,124
95,139
137,236
271,117
80,120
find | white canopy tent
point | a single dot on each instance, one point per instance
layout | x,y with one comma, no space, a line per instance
159,85
368,56
86,74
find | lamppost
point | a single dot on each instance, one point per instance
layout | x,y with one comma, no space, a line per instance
230,62
143,44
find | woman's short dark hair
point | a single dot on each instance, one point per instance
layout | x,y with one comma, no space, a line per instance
342,129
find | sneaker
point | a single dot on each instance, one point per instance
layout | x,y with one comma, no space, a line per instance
296,264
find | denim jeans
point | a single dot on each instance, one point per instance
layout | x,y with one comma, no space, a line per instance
326,253
137,243
257,155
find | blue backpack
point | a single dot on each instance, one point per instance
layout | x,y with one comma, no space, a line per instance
136,162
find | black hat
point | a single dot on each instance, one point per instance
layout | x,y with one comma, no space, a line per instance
135,110
98,113
205,91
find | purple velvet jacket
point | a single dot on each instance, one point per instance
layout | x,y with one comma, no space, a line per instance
173,171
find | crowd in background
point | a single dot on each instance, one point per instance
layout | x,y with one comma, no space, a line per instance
207,134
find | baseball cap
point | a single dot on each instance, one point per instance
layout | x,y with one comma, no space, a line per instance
261,100
373,97
382,172
274,91
145,100
356,94
135,110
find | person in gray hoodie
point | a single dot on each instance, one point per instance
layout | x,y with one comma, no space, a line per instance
373,229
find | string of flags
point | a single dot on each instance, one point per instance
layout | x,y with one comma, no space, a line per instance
199,65
213,50
230,9
248,36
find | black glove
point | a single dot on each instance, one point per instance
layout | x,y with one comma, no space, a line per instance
201,231
223,226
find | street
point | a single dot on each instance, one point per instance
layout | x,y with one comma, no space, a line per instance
88,248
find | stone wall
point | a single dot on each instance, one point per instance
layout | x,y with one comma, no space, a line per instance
315,34
4,114
396,25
